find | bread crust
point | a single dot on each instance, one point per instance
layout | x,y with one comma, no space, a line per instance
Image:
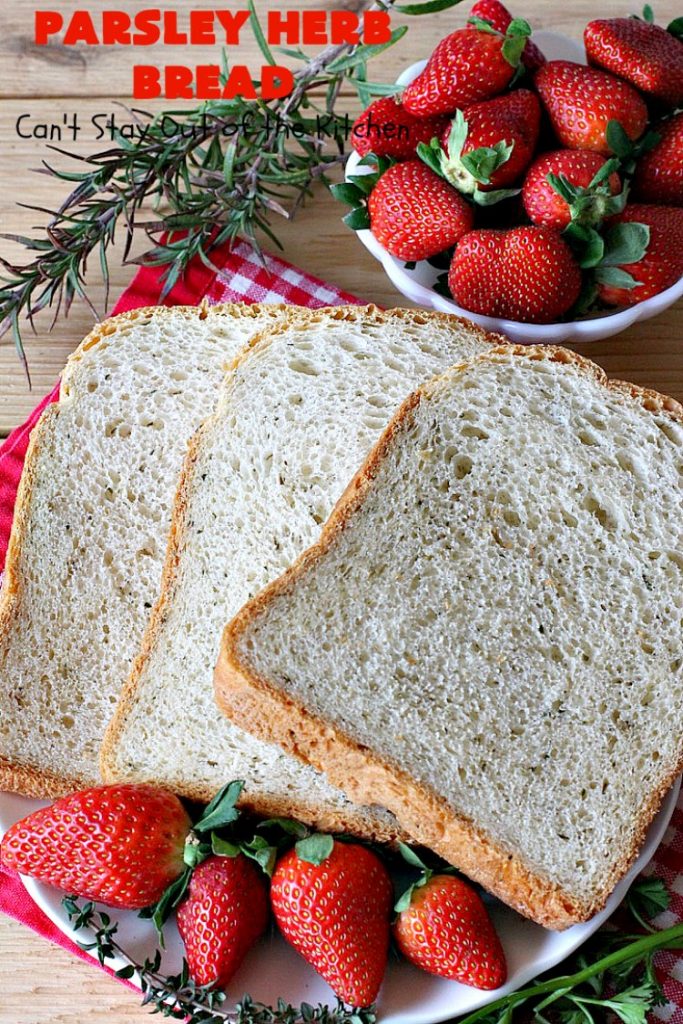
27,779
268,712
366,823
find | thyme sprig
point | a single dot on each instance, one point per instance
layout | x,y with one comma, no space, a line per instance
178,997
613,974
211,174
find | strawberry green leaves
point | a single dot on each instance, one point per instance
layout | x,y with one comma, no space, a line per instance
518,31
410,857
624,148
355,191
315,849
222,810
467,171
590,205
605,256
624,244
516,35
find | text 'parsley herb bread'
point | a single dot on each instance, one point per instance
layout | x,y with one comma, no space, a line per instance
298,415
91,525
487,638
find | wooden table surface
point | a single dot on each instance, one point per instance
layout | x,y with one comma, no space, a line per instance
41,983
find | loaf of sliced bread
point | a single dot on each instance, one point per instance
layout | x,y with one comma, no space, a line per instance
487,637
297,417
91,525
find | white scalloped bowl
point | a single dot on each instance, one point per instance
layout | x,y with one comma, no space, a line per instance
418,284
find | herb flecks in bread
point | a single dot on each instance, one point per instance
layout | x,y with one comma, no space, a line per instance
91,525
498,598
297,417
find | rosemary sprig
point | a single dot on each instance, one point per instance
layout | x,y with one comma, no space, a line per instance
212,174
614,974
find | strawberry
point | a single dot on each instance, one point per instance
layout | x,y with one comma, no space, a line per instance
581,102
645,54
447,931
415,214
121,845
332,902
487,145
470,64
526,274
387,129
223,915
659,268
571,184
659,173
499,17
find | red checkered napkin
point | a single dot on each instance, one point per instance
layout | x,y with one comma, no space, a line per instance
241,277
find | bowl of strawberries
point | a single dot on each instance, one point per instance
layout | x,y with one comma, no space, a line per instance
534,186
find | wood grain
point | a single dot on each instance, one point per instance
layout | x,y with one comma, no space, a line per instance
40,983
89,71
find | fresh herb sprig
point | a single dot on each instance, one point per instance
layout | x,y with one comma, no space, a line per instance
613,974
207,180
178,997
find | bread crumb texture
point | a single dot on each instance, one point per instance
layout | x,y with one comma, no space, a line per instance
297,417
90,529
495,611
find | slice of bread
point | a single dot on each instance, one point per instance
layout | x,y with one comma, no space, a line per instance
90,529
487,638
298,416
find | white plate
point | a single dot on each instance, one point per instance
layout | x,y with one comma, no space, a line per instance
408,996
417,284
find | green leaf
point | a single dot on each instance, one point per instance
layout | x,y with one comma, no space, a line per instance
378,88
617,140
625,243
675,27
222,810
347,193
161,910
516,37
258,34
222,847
404,900
315,849
484,161
410,857
483,24
647,898
426,7
457,136
648,14
587,244
563,186
431,156
364,53
615,277
358,219
601,176
364,182
125,972
265,855
288,825
194,853
497,195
